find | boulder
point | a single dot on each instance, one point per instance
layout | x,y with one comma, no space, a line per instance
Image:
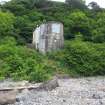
7,97
50,85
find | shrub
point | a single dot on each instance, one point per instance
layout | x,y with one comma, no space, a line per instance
6,24
21,63
82,58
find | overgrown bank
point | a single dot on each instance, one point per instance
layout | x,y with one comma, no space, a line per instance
78,58
84,32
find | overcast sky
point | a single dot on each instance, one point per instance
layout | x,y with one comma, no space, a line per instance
100,2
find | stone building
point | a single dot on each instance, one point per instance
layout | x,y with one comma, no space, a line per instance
48,37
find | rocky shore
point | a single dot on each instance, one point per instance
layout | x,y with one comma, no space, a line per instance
81,91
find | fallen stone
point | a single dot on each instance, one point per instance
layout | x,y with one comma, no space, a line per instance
96,96
50,85
7,97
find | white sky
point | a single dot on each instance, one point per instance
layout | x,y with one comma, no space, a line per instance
100,2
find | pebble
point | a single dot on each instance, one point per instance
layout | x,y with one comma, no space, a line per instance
81,91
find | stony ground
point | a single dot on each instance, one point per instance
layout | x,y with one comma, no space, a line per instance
83,91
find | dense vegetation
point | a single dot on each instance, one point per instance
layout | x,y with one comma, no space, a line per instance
84,32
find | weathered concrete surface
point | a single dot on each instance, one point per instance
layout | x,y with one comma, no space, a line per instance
48,37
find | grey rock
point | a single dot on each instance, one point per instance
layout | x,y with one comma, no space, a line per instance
50,85
96,96
8,97
71,91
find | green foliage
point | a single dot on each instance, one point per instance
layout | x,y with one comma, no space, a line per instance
26,24
74,14
77,22
82,58
6,24
83,54
80,4
98,33
20,63
8,41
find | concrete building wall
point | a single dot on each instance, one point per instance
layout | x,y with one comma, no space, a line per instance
48,37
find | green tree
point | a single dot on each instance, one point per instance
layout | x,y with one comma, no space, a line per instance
21,7
78,23
98,32
26,24
80,4
6,24
94,6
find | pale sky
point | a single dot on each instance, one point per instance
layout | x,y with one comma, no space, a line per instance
100,2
